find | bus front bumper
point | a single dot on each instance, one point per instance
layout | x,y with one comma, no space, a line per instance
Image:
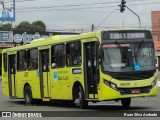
107,93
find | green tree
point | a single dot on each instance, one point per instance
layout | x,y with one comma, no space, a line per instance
24,25
38,26
7,26
35,26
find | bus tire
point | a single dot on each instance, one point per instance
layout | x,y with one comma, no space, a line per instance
126,102
28,95
37,101
82,102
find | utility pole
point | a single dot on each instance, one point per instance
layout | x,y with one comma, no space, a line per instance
93,27
82,30
123,23
122,8
106,18
136,15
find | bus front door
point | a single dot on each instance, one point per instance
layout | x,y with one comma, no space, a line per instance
91,70
11,75
44,73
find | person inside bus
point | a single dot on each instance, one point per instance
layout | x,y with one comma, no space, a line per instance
30,67
44,67
69,60
54,65
79,59
25,65
13,68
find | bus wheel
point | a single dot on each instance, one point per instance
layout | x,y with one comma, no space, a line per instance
126,102
82,102
37,101
28,95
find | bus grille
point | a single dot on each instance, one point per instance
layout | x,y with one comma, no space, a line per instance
132,75
124,91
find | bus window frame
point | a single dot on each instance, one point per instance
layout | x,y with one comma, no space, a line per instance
64,45
77,65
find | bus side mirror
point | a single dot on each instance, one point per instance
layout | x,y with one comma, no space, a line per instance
99,53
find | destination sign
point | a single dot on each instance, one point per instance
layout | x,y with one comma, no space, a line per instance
126,35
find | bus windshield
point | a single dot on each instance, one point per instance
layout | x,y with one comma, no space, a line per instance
128,57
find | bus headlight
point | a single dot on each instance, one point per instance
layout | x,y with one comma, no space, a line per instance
154,82
113,86
110,84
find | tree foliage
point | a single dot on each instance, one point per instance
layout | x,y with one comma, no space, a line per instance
38,26
24,25
34,26
7,26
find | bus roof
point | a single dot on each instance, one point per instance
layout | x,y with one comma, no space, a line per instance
52,40
115,29
60,39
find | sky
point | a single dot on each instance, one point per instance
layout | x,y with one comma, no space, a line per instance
79,15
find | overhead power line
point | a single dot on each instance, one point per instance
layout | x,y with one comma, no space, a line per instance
18,1
64,9
76,5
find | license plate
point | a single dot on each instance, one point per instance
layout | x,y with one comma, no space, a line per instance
136,91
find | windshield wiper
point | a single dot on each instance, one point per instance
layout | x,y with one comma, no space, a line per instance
139,46
138,49
120,47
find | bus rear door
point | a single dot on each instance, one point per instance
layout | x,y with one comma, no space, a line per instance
44,73
11,75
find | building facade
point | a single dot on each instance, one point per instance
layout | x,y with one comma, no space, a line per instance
156,33
17,38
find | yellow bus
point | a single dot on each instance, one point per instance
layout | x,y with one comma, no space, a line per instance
91,67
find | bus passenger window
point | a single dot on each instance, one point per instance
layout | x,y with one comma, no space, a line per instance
21,60
57,56
73,53
32,59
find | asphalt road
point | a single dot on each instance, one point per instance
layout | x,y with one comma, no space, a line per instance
101,109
